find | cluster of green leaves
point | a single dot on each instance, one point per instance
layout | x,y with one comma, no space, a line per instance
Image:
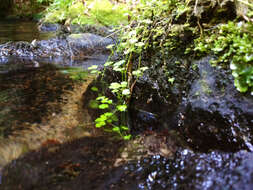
232,43
113,119
101,12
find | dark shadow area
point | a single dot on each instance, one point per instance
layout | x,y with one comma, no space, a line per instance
89,163
5,7
80,164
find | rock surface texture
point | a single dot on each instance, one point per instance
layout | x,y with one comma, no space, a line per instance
75,45
202,104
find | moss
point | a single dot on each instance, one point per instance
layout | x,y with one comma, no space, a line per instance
205,87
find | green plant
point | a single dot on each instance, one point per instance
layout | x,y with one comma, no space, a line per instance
114,118
232,44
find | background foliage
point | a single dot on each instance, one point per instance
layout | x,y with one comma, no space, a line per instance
102,12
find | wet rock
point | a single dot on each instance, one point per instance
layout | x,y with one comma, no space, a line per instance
200,101
77,46
49,27
75,29
87,43
187,170
216,115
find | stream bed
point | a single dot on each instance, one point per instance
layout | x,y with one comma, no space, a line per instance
48,140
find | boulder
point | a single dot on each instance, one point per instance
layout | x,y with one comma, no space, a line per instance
201,103
87,43
216,115
77,46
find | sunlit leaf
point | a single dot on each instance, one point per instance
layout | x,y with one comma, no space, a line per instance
100,124
109,63
95,89
116,129
114,85
125,128
122,108
103,106
127,137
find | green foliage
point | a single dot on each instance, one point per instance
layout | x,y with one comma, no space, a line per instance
115,112
44,1
232,43
101,12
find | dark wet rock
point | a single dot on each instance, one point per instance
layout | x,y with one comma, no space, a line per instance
216,114
88,163
187,170
76,46
200,101
154,94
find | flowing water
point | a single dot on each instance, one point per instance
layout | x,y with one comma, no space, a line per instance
44,119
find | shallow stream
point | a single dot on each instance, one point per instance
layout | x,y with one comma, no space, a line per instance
14,30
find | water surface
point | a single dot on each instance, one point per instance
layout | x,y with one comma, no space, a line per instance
12,30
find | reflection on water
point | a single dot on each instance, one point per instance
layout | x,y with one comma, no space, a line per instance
21,31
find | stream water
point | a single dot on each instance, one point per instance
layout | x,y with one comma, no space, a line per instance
40,100
48,141
12,30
